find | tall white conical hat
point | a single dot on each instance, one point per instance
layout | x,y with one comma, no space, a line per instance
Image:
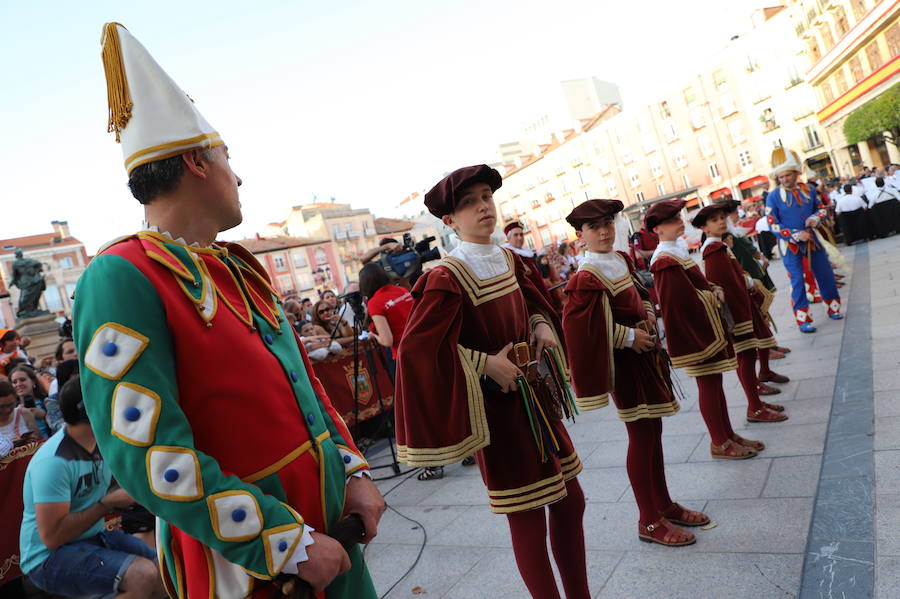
785,160
153,118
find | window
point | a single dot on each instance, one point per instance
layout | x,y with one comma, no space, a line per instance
827,37
545,237
685,180
776,143
65,262
603,164
53,299
656,167
587,196
669,130
814,53
664,111
633,176
639,196
280,264
713,170
793,76
827,92
721,81
745,160
840,20
873,52
698,120
736,131
647,143
321,257
728,106
812,137
679,156
583,177
305,281
856,70
768,120
690,96
859,8
611,188
705,146
299,259
336,231
892,35
626,155
286,284
661,189
841,81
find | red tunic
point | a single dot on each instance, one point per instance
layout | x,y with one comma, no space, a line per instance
696,337
445,410
597,318
723,269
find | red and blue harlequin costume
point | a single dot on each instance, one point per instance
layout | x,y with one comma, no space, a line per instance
787,211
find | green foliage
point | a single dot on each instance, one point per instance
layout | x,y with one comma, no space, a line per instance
874,117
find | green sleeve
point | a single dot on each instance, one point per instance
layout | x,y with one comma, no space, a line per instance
128,378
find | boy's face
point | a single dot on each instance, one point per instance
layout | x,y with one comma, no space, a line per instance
475,215
671,229
599,235
307,330
716,225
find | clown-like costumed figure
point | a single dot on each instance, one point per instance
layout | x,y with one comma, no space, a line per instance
794,211
200,395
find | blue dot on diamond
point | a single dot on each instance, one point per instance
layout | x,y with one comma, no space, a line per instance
238,515
311,418
171,475
110,349
347,459
132,414
294,376
282,546
269,339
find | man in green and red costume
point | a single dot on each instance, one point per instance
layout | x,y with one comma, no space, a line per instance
201,397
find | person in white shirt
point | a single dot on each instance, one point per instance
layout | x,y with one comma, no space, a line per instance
765,238
884,209
851,210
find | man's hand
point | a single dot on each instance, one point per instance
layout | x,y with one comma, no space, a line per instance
542,337
118,499
362,497
327,560
651,317
719,293
504,372
804,235
643,341
812,221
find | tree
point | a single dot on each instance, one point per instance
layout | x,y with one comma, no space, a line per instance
875,117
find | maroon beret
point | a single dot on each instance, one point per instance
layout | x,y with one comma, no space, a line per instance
592,210
701,217
443,197
512,225
662,211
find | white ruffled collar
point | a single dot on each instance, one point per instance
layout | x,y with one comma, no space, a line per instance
524,252
148,227
671,247
486,260
708,241
610,263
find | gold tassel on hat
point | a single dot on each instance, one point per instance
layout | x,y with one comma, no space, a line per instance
117,93
778,156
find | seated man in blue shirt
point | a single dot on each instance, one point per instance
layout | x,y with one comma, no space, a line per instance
65,549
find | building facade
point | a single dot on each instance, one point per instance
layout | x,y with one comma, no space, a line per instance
853,51
63,258
299,266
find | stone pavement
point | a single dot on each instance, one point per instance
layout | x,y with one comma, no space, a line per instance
781,523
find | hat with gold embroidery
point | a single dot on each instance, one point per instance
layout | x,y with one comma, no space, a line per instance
152,117
785,161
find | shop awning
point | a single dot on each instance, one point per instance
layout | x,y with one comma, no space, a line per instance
760,180
751,200
639,207
692,203
720,193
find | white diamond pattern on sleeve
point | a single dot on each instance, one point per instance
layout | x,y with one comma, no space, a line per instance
281,543
174,473
113,350
135,412
235,515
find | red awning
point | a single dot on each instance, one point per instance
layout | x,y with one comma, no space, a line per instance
692,203
719,193
760,180
751,200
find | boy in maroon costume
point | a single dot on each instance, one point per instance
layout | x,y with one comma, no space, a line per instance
750,329
610,330
458,392
697,340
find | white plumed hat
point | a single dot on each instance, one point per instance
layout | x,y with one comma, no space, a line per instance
783,161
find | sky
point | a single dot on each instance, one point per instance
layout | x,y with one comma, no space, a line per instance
363,101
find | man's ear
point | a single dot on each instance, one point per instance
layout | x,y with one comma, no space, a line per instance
578,233
196,163
447,219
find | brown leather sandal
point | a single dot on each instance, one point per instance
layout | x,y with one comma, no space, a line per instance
784,350
775,355
678,514
773,406
764,389
729,450
665,533
766,415
754,445
773,377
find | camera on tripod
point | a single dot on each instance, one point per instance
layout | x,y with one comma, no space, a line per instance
354,299
407,262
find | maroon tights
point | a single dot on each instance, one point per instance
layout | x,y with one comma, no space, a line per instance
529,541
713,408
763,354
747,375
646,470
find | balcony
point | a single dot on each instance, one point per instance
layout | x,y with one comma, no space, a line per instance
354,234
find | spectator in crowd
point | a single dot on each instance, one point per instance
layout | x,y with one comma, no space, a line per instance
331,297
317,342
643,243
64,371
31,395
65,550
294,312
851,210
387,245
17,425
326,316
765,238
306,307
9,350
884,208
388,305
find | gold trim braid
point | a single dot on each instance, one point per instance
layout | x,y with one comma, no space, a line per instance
117,94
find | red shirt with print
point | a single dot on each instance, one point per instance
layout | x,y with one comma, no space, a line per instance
394,303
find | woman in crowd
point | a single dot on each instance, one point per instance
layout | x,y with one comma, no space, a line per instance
325,315
17,425
387,304
31,395
10,350
317,342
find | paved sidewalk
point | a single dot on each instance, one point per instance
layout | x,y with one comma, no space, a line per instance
763,507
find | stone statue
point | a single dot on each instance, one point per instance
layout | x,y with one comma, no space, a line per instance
27,276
